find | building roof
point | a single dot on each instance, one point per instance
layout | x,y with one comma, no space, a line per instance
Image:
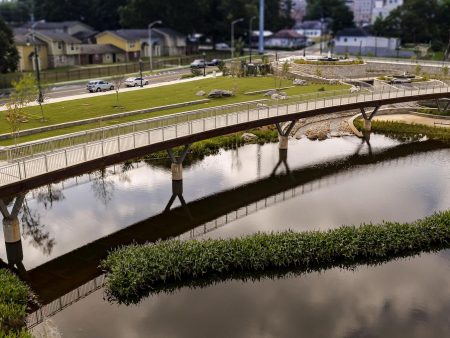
313,24
22,37
99,49
142,34
51,25
57,36
287,34
352,32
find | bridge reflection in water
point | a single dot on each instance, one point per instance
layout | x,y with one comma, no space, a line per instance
68,278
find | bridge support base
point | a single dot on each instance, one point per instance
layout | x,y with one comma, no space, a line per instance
367,125
11,233
283,135
177,163
368,118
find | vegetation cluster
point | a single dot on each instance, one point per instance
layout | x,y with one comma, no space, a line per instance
138,270
14,298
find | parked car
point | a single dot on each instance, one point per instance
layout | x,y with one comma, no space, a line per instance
99,86
222,46
214,62
198,64
135,81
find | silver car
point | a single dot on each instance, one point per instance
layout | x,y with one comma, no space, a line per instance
135,81
99,86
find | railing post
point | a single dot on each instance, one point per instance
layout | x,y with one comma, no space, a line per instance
148,133
46,163
84,152
24,169
65,156
20,171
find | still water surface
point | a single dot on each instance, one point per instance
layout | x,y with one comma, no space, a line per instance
325,185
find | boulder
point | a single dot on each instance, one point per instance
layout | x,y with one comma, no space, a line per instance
200,93
216,93
248,137
270,93
299,82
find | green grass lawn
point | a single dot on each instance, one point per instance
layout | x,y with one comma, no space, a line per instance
152,97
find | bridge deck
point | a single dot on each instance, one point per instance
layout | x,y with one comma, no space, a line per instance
39,165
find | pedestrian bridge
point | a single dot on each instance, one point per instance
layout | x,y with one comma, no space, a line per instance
28,165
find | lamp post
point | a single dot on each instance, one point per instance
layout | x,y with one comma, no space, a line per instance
250,36
232,35
40,98
140,71
204,64
150,46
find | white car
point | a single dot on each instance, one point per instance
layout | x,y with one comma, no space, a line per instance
222,46
99,86
135,82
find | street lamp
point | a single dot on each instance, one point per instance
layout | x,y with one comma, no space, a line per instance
140,70
250,37
204,64
150,46
36,61
232,35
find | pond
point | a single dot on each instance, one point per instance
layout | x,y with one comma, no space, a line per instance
69,226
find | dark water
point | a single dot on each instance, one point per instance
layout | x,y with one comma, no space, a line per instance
324,185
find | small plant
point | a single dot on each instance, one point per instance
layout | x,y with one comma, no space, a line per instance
118,82
196,71
418,69
318,72
445,71
321,89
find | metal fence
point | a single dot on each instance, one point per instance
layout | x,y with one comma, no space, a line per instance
43,157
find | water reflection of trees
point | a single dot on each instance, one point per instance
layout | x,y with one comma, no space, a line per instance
103,186
49,195
35,230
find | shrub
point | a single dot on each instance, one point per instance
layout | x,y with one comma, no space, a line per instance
135,271
14,297
196,71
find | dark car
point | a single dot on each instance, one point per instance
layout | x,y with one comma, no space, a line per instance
214,62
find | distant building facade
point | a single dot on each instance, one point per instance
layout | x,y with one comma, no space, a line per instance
311,29
362,11
384,7
286,39
357,41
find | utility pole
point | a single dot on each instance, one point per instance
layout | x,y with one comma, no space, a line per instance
250,37
150,45
261,27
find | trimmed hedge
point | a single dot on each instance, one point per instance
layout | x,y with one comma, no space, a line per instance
14,297
136,271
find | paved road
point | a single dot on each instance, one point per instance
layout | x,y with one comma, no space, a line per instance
67,90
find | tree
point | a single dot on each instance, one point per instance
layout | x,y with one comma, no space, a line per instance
118,83
9,56
336,10
25,91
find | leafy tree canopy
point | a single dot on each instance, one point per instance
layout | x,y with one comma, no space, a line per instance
9,57
335,10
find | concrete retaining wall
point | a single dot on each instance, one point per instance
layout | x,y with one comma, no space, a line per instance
101,118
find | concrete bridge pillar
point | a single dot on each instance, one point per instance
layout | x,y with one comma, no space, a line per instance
11,232
177,163
283,135
368,118
367,126
283,142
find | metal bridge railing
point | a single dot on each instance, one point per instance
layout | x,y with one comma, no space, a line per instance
143,133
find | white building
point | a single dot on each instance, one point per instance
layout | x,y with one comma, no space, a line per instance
362,11
384,7
357,41
311,29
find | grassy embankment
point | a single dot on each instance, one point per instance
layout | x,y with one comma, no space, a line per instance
403,131
435,112
14,297
151,97
138,270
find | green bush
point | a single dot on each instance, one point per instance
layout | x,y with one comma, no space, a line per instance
14,297
137,270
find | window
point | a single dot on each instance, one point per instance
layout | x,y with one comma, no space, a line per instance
71,46
59,44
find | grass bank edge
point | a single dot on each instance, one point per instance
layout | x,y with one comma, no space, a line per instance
136,271
400,130
15,296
